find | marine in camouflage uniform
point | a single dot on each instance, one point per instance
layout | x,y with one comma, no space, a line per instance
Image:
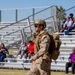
41,61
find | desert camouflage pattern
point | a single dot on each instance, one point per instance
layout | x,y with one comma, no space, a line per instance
41,66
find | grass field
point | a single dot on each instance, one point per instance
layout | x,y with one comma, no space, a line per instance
24,72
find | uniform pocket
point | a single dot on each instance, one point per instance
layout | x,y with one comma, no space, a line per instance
45,64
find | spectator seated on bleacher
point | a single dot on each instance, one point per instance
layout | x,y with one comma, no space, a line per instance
71,62
3,52
73,26
60,25
68,25
22,51
30,49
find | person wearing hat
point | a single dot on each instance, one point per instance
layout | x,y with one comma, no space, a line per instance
41,61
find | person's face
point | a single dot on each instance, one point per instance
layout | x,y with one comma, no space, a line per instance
74,19
24,44
67,19
2,46
38,28
73,51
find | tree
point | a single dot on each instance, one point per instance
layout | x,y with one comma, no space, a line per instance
60,16
61,13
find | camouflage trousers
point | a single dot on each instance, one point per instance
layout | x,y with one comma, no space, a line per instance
40,68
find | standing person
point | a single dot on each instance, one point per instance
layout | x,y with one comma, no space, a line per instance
41,61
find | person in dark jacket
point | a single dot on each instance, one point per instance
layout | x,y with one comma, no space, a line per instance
71,62
3,52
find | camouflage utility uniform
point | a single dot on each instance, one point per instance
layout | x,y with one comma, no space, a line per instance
41,66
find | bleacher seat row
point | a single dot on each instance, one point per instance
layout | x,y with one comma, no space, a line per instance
59,64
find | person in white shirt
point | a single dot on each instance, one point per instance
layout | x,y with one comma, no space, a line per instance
68,24
23,50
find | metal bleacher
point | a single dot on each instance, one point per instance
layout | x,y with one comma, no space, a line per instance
59,64
65,50
12,34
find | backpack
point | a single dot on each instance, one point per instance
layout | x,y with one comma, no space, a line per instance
54,46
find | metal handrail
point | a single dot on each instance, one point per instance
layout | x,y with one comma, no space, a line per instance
70,8
15,31
27,18
30,16
24,27
24,18
11,32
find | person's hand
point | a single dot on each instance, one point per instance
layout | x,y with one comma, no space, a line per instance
33,58
70,60
0,50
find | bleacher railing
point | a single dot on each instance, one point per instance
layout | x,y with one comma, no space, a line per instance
14,15
26,24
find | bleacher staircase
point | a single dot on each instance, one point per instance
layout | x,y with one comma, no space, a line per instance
68,42
11,35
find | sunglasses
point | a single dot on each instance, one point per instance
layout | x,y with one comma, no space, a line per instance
38,25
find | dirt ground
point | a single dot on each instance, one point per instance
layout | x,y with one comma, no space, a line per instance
24,72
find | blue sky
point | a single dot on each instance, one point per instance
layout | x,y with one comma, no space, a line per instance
6,4
14,4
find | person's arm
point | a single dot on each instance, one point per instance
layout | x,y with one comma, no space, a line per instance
70,57
5,51
44,45
25,48
65,24
20,49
